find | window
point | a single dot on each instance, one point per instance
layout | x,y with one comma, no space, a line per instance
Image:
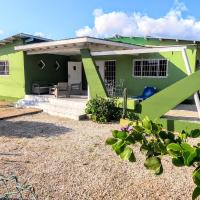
109,75
109,67
150,68
74,68
4,68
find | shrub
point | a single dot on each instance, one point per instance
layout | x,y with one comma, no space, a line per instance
103,110
131,115
155,143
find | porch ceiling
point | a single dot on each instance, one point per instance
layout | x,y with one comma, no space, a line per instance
73,46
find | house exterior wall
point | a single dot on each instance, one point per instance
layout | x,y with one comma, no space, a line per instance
135,85
24,68
33,73
12,85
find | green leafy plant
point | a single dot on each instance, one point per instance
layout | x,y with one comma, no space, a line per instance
131,115
103,110
155,143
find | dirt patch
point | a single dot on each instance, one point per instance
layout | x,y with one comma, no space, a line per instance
7,110
4,104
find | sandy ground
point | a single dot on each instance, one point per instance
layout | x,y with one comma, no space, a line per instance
68,160
184,112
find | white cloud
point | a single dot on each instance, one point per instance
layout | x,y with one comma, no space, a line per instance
1,32
39,34
173,24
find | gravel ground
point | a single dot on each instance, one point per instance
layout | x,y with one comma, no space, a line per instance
68,160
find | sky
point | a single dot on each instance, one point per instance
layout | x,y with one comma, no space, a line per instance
59,19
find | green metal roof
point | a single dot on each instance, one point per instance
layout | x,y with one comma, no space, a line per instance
144,41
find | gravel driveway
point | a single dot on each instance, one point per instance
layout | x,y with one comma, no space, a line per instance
68,160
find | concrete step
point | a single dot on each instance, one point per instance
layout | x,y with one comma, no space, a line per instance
59,108
73,108
70,112
75,103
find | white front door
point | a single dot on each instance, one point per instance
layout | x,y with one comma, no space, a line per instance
74,72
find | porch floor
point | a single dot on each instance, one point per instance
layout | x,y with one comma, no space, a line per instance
184,112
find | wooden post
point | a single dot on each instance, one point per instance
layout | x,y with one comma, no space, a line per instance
124,103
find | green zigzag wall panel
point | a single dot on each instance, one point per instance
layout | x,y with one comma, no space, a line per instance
160,103
95,82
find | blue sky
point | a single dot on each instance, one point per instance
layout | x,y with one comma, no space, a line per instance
101,18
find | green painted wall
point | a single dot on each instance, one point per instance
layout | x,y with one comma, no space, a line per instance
33,73
12,85
135,85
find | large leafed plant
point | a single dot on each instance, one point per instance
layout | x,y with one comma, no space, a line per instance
155,143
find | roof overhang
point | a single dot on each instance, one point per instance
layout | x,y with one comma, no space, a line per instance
27,38
74,45
140,51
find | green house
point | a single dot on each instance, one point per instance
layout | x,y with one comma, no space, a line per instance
97,64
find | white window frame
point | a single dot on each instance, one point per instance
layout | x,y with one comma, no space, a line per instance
148,59
7,71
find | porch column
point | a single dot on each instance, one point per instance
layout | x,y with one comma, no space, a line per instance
189,72
95,82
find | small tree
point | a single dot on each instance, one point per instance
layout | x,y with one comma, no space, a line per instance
156,143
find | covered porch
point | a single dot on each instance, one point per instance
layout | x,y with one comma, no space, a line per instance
66,63
86,54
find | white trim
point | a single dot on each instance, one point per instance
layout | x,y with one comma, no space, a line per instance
189,72
139,51
82,40
88,90
197,102
53,51
142,59
186,61
6,75
49,44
